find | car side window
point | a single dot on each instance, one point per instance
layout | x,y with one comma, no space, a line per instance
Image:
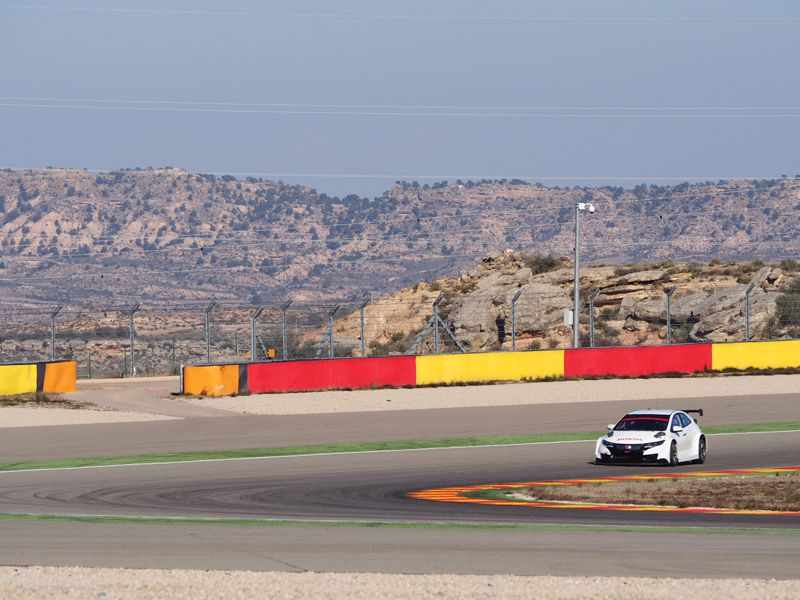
685,420
676,421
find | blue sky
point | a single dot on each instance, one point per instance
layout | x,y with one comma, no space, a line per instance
509,88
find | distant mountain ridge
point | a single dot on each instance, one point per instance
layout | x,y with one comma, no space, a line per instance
166,235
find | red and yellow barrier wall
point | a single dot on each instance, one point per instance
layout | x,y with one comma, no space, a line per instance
443,369
28,378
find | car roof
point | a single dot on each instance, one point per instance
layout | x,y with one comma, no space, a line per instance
653,411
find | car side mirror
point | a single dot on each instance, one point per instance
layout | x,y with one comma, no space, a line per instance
677,429
610,426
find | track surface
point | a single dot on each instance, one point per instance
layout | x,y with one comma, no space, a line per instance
373,487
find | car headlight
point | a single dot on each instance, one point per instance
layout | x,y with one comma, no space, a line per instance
608,443
651,445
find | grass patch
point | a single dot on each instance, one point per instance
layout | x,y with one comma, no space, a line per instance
432,525
39,399
66,463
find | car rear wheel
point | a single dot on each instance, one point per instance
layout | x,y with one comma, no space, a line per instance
702,451
673,455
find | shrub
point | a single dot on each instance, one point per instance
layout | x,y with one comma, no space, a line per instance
539,263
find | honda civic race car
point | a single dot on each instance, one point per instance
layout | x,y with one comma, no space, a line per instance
653,436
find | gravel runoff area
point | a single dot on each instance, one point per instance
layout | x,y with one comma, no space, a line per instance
504,394
22,583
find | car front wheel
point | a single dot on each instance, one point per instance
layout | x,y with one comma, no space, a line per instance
673,455
702,451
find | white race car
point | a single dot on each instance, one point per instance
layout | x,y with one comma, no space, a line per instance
653,436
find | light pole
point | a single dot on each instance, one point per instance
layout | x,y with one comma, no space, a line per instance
576,301
514,320
133,339
209,308
592,297
361,308
747,311
53,331
669,291
253,318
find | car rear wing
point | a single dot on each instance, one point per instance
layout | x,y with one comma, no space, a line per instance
699,411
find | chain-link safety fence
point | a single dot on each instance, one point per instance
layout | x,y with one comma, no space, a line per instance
143,340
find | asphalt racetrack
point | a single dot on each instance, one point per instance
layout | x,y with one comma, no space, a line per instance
372,487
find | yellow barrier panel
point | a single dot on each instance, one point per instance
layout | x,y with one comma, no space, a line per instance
59,377
17,379
489,366
214,380
755,355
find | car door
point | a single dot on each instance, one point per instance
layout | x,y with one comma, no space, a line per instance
681,437
692,431
685,437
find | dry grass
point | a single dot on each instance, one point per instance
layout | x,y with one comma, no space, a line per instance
773,492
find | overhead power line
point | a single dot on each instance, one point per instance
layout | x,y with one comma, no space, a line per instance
408,17
390,106
387,113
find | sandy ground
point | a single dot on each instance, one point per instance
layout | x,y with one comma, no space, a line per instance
33,416
22,583
503,394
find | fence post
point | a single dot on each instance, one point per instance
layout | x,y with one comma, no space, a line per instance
747,311
331,312
669,292
209,308
253,318
514,320
285,344
133,339
592,297
436,323
53,331
362,307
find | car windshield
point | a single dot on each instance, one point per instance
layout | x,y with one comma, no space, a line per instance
642,423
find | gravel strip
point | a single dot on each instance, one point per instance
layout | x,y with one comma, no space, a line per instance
550,392
22,583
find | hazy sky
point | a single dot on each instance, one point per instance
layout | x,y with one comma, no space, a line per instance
507,88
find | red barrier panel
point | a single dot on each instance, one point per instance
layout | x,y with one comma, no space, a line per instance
635,362
331,374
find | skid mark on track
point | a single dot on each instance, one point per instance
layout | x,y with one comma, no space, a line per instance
458,494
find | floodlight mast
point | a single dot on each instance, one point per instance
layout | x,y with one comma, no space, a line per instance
576,300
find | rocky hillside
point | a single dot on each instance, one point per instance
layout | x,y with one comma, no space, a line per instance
630,308
165,235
